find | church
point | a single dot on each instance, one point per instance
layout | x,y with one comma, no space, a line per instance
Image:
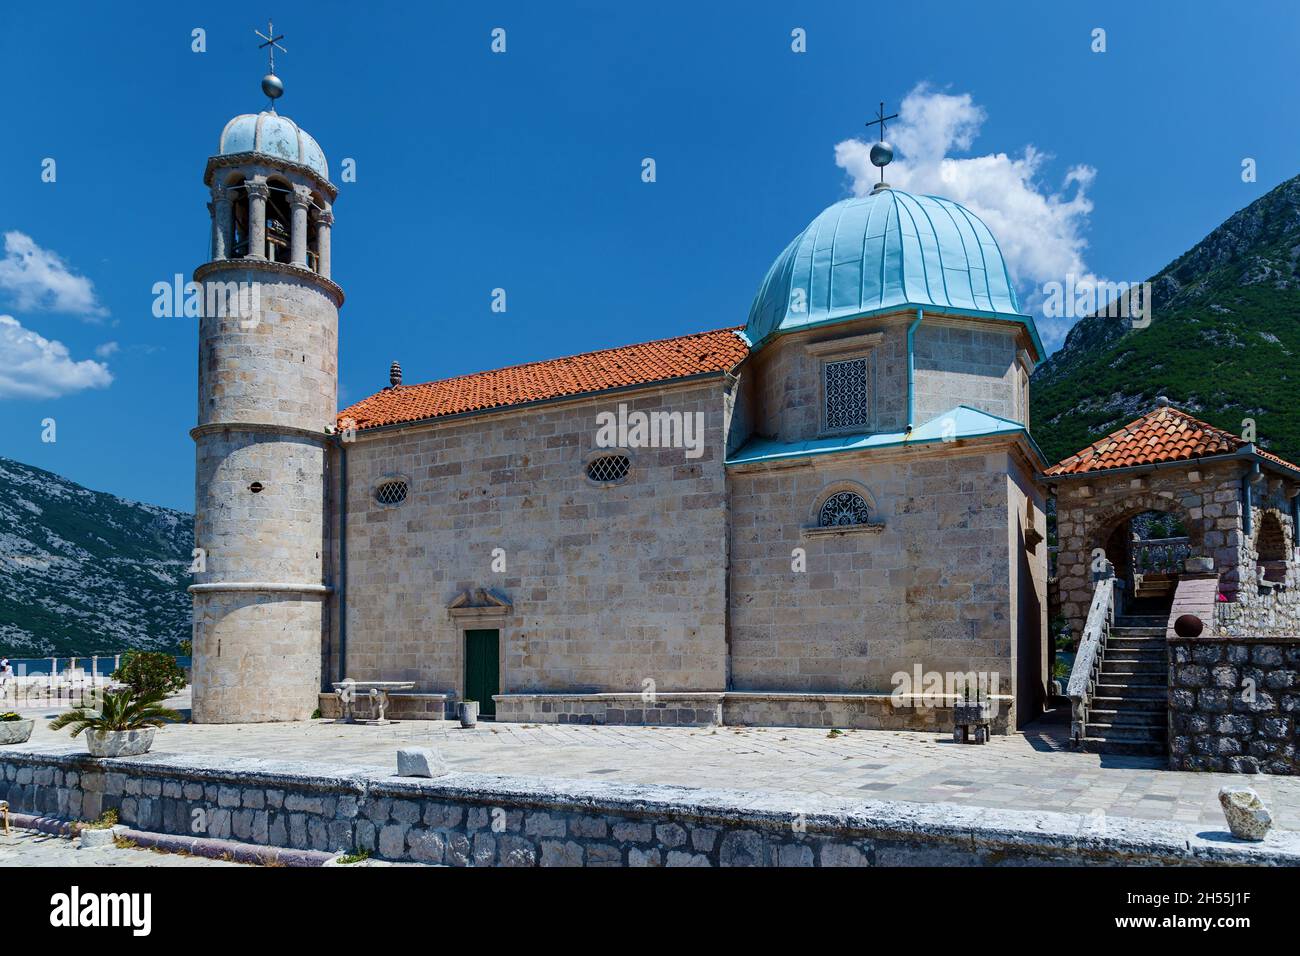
810,515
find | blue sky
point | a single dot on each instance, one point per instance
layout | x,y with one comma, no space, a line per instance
523,171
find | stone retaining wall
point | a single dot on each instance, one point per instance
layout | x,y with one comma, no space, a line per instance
481,820
1234,704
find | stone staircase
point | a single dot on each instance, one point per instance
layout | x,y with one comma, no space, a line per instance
1129,706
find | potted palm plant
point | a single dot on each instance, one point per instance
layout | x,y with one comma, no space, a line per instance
120,723
14,729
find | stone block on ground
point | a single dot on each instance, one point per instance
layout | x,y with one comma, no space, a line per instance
420,762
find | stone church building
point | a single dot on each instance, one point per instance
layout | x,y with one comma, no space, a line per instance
799,516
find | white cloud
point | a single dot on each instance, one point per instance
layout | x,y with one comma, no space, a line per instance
1041,231
35,367
37,278
106,350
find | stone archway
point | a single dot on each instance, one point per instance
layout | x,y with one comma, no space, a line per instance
1104,522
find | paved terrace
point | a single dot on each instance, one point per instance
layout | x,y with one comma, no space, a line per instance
1018,772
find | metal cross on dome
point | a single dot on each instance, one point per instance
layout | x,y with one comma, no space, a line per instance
881,119
273,44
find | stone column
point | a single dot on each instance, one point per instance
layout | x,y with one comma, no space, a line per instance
299,203
324,219
258,193
223,223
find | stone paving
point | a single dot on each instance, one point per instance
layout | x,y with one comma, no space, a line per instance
1020,771
28,848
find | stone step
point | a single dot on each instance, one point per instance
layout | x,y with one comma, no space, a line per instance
1129,718
1126,748
1134,676
1129,687
1129,666
1142,621
1139,640
1136,655
1138,631
1130,703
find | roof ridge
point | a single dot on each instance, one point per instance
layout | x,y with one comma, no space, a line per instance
563,358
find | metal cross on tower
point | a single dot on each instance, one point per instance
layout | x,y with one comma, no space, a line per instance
273,44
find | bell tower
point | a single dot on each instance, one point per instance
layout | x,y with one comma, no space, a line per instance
268,358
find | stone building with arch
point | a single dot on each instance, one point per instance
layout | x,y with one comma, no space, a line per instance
1237,503
828,515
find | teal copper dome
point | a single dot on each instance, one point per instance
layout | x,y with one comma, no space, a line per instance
884,252
273,135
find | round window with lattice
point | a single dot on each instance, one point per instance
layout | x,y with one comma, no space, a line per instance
608,469
391,492
843,508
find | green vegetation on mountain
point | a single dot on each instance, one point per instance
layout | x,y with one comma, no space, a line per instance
1223,343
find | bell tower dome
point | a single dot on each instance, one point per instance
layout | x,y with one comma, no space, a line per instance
268,358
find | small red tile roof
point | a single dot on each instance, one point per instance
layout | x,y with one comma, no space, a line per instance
642,364
1164,434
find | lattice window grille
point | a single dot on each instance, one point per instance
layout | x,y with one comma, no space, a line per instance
608,468
391,493
846,394
843,508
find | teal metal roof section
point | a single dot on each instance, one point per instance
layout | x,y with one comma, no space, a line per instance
883,252
273,135
954,424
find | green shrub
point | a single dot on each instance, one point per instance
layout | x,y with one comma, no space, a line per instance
8,716
150,672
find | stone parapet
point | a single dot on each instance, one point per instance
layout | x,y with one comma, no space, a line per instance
468,819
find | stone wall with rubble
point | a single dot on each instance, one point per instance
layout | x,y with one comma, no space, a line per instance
609,585
929,582
481,820
1234,704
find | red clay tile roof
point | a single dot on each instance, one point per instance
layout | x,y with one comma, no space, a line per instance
1163,434
686,355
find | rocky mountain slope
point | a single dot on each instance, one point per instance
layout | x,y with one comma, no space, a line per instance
1223,343
84,572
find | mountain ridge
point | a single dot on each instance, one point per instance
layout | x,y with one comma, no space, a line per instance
1222,342
84,571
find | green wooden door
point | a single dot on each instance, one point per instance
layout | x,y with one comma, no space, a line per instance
482,673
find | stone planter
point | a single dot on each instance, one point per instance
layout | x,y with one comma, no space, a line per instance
119,743
468,713
15,731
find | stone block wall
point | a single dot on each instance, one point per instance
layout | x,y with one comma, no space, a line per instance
609,586
932,585
664,710
965,363
1234,704
957,361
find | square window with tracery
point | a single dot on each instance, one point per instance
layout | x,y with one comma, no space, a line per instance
846,394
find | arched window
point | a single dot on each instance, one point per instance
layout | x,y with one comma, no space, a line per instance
1270,546
843,508
279,221
238,217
